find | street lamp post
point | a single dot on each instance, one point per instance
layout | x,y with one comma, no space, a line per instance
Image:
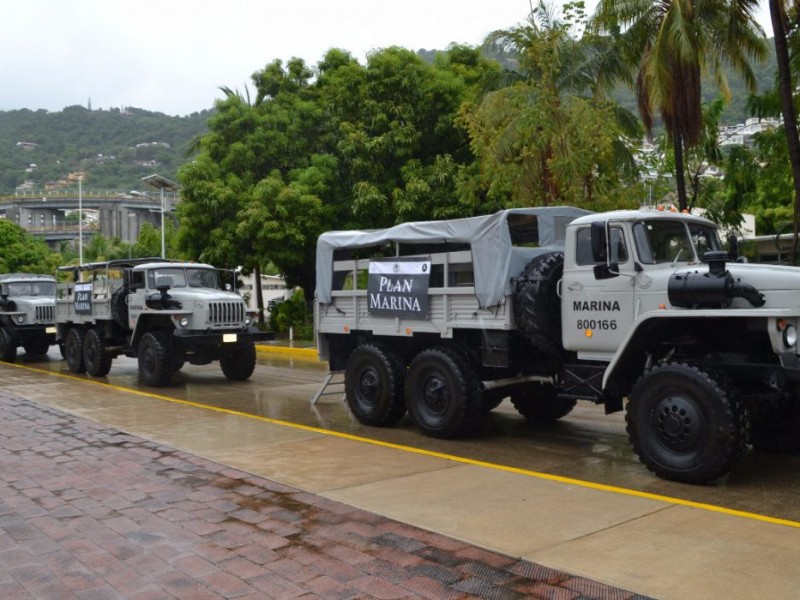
80,220
162,183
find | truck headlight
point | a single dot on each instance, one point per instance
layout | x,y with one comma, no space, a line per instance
183,321
248,321
789,336
21,319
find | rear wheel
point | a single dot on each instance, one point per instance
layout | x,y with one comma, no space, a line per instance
155,367
73,350
442,393
36,347
95,356
538,403
8,347
373,381
686,423
237,362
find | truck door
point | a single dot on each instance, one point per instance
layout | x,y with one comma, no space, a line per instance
597,313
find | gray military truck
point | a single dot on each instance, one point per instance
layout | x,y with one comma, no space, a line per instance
642,310
27,310
164,313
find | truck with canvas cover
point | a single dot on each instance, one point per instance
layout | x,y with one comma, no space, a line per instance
641,310
163,313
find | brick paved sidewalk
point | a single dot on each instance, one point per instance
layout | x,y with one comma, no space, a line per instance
90,512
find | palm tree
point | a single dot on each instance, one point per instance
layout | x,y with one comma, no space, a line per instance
671,44
547,124
781,29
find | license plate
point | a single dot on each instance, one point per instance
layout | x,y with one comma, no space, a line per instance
49,329
227,338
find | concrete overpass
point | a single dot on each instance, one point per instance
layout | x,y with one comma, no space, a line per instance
119,214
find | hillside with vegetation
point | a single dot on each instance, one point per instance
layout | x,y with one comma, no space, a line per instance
113,148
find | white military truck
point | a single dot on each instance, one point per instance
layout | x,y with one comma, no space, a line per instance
639,309
27,310
164,313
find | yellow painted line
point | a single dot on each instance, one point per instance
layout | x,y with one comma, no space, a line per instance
305,353
430,453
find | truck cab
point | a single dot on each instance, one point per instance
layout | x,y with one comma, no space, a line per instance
27,309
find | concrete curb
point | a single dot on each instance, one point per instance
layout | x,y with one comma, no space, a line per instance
304,353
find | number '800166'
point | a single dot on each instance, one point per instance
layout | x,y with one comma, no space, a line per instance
601,324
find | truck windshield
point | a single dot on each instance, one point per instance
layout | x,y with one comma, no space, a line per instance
673,241
196,277
32,288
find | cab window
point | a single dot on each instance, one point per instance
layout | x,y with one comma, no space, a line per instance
583,250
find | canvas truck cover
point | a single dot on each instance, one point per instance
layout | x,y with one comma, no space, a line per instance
489,237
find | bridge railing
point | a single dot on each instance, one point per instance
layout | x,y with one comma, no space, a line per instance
107,194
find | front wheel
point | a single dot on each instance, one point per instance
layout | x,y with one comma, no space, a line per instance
155,366
73,350
442,393
686,423
373,382
8,347
238,362
36,347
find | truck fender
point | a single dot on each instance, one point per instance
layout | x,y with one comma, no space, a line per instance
631,350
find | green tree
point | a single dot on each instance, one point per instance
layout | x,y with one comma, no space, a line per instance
782,30
671,44
548,135
22,252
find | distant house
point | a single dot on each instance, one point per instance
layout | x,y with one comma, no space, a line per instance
27,145
273,290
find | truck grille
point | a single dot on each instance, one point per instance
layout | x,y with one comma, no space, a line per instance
226,313
45,314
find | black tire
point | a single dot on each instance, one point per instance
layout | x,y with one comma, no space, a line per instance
237,362
442,393
777,430
686,423
8,346
36,347
537,308
73,350
155,366
373,383
62,350
538,403
96,358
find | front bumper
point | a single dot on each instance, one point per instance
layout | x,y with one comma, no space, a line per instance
187,340
24,333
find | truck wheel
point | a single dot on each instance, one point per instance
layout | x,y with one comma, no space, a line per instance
686,423
8,347
537,309
95,357
373,383
777,430
442,393
155,366
73,350
237,362
38,347
538,403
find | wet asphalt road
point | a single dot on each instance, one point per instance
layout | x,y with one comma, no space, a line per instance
586,445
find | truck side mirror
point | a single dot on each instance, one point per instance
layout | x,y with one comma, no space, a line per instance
599,242
599,238
3,290
163,283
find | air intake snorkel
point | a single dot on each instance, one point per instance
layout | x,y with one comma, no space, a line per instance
714,289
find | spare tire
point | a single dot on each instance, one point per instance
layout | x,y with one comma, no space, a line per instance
537,308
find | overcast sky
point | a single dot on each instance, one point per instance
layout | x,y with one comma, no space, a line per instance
172,56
